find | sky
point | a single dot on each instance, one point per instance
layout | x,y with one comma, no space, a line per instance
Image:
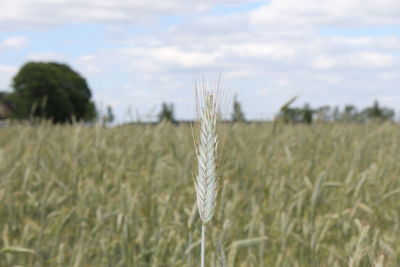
136,54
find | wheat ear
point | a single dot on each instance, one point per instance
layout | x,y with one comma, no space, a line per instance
206,183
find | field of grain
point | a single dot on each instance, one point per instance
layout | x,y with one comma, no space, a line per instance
320,195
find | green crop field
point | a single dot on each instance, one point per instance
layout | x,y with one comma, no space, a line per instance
320,195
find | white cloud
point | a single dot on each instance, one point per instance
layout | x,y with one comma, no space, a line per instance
173,55
355,60
47,56
238,74
372,59
35,14
381,42
282,13
90,64
14,43
261,50
391,75
152,58
323,62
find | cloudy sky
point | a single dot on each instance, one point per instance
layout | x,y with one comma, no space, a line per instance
136,54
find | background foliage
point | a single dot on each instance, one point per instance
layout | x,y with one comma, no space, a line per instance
79,196
52,91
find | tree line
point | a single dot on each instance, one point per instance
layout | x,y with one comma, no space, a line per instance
327,114
56,92
306,114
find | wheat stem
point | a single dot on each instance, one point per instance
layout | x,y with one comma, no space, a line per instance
203,244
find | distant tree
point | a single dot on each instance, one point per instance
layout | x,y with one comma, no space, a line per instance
53,91
167,113
109,116
307,114
350,114
297,115
237,114
285,113
336,115
323,114
377,113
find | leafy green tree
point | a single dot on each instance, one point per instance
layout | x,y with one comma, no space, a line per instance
167,113
237,115
53,91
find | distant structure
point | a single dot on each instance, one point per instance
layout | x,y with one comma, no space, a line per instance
6,109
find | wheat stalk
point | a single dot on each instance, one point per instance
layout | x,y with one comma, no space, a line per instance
206,183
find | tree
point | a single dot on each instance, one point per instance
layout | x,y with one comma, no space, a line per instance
378,113
323,114
350,114
297,115
336,114
53,91
167,113
108,117
307,114
237,115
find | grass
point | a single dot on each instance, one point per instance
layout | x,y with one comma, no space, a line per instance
324,195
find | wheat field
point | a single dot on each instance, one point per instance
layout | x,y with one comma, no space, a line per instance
320,195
